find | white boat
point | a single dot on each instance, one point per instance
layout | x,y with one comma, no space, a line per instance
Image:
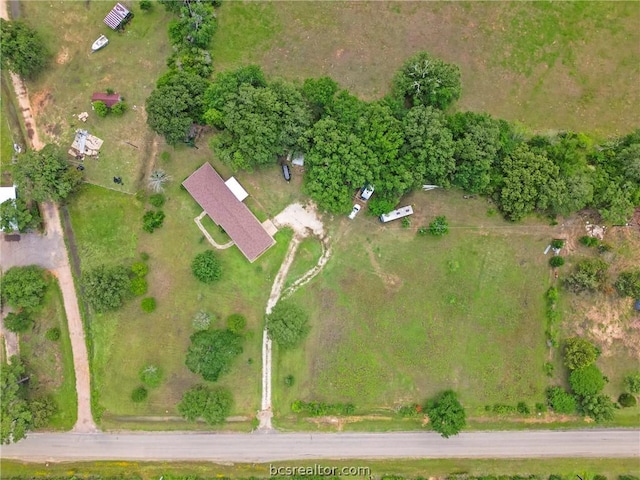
99,43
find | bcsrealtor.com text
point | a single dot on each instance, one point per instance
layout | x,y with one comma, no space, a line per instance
317,470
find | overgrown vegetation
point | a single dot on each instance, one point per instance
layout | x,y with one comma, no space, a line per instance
211,404
23,50
212,352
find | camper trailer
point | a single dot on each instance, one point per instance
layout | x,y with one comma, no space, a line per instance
396,214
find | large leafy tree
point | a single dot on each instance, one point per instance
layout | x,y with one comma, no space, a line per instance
176,104
529,182
446,414
22,49
212,404
429,146
587,381
426,80
195,26
212,351
206,267
288,324
46,175
16,214
24,287
16,416
262,123
106,287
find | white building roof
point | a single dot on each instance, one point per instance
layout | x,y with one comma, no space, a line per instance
237,190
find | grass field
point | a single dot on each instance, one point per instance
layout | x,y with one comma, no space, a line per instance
551,66
130,65
398,317
107,226
411,468
51,363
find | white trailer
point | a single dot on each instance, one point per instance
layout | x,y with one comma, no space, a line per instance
396,214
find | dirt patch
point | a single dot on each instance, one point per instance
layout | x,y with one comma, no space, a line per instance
41,100
63,56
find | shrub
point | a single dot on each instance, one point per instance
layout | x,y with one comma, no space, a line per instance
148,304
548,369
24,287
214,405
598,407
411,410
18,322
140,269
206,267
144,256
287,324
406,223
119,108
446,415
236,323
105,288
201,320
628,284
289,380
632,382
541,407
139,394
579,353
139,286
627,400
152,219
589,241
165,157
557,243
588,275
561,401
587,381
151,376
379,205
523,408
439,226
556,261
211,353
319,409
503,409
53,334
157,200
146,5
100,108
423,231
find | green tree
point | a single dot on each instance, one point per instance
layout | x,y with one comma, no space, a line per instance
528,183
139,286
176,104
262,123
106,287
599,407
319,92
632,382
212,351
561,401
426,80
146,5
15,215
139,394
195,26
287,324
588,275
214,405
206,267
428,146
119,108
579,353
556,261
22,49
439,227
236,323
16,417
46,175
24,287
152,219
446,414
587,381
151,376
18,322
42,409
628,284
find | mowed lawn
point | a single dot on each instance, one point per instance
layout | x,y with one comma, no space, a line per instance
548,65
130,65
108,229
51,362
397,317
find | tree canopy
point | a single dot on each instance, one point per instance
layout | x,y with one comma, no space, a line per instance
287,324
22,49
46,175
587,381
24,287
446,414
579,353
106,287
16,416
212,404
206,267
212,351
15,214
426,80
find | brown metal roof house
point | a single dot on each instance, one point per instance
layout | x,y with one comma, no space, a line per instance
208,189
109,99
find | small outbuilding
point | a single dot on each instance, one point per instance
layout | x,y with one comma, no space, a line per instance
85,144
109,99
118,17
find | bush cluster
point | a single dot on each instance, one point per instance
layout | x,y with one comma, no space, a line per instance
102,110
319,409
152,219
206,267
411,410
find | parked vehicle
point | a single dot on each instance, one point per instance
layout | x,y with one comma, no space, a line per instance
285,172
354,212
366,192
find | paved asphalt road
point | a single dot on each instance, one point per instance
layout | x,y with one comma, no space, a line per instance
311,446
